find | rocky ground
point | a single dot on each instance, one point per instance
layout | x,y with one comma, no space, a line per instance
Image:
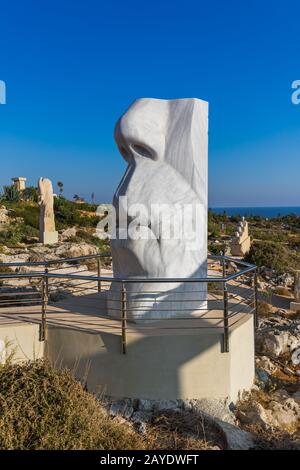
266,417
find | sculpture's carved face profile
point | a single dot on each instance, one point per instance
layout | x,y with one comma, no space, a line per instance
165,145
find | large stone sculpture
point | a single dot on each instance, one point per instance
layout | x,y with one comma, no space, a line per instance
240,244
163,198
48,234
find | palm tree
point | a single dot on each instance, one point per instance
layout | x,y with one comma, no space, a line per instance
60,185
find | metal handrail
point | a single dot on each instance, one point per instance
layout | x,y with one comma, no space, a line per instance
45,276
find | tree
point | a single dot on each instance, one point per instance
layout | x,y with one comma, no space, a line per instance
30,194
60,185
93,198
76,197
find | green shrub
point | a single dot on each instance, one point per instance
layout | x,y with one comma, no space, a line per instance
30,194
17,233
67,213
10,194
272,255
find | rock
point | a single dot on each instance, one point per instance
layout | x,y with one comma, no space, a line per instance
296,397
262,376
281,394
139,417
15,258
4,218
212,407
286,414
262,285
296,358
282,413
73,250
265,364
166,405
255,414
146,405
68,233
122,408
277,336
141,428
286,280
236,438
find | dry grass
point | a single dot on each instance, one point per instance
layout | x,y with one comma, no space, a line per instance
264,308
183,431
294,315
42,408
284,291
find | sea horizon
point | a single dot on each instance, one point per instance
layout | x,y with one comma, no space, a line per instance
262,211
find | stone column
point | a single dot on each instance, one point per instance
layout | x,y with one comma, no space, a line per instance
48,234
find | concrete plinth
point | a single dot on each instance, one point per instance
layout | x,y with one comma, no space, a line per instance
49,238
21,341
174,365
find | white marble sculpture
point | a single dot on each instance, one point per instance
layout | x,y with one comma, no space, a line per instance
240,244
48,234
165,145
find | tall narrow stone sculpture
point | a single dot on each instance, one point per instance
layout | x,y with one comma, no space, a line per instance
162,198
241,243
295,305
48,234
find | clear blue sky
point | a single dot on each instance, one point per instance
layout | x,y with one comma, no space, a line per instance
72,67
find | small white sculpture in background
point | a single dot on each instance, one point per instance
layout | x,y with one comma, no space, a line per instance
48,234
240,244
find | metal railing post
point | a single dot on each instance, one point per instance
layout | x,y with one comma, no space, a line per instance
123,319
226,326
223,265
255,300
99,272
44,305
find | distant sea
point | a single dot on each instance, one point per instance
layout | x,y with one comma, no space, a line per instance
267,212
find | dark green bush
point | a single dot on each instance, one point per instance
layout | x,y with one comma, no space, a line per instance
67,213
10,194
17,233
272,255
